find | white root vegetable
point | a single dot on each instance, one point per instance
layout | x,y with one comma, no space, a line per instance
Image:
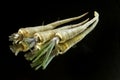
29,31
67,34
23,33
42,43
45,36
63,47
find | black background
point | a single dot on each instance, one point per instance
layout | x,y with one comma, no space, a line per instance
97,57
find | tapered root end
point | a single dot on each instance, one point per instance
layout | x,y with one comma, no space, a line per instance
96,13
58,23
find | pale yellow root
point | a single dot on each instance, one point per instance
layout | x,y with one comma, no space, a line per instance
43,37
58,23
49,34
67,34
29,31
63,47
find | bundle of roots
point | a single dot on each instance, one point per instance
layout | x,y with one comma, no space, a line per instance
42,43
